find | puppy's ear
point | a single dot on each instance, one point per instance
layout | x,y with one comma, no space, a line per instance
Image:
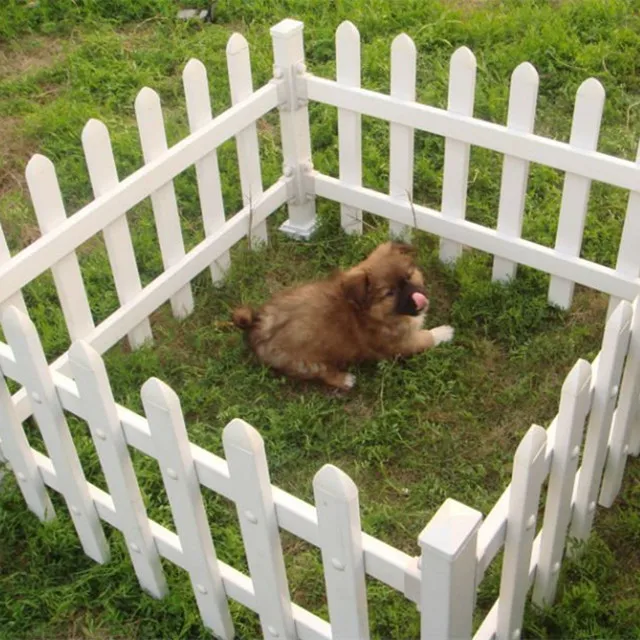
404,248
356,287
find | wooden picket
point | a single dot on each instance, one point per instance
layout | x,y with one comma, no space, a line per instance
104,177
153,140
17,299
401,138
349,122
198,101
521,116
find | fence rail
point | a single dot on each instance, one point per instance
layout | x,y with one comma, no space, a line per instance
598,421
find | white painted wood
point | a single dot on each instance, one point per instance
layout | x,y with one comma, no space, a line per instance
289,73
585,130
628,262
462,87
622,421
515,249
575,402
166,423
336,498
535,148
247,460
526,482
15,447
49,209
102,417
401,138
605,392
448,567
16,300
47,410
196,93
153,141
117,237
521,116
634,438
241,87
349,122
84,224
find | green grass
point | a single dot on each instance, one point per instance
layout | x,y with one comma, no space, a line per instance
445,424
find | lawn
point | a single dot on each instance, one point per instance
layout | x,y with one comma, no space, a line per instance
411,434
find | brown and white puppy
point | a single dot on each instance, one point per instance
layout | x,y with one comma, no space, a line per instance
372,311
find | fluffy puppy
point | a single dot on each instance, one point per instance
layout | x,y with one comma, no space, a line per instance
372,311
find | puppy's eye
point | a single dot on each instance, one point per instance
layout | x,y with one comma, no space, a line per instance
390,293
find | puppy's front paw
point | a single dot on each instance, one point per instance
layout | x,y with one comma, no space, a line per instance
443,333
349,381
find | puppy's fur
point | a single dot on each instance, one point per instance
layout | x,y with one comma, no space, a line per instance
373,311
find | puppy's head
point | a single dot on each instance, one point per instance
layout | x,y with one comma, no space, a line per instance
387,284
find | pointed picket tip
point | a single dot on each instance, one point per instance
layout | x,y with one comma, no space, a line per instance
525,73
15,320
84,355
591,90
146,98
93,129
242,435
619,318
531,446
335,482
37,167
236,43
463,58
193,68
577,378
160,394
403,45
347,32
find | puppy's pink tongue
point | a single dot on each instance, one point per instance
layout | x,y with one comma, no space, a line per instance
420,300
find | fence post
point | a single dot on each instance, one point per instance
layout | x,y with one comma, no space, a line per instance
605,392
49,209
585,129
196,93
462,88
289,68
574,406
336,498
621,428
36,378
153,141
96,396
241,86
526,483
16,448
173,450
448,570
628,262
248,468
523,96
401,138
117,237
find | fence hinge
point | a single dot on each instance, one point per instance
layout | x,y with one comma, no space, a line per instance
301,186
291,85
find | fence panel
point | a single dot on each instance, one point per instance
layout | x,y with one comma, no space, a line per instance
49,209
166,423
621,427
401,138
36,378
585,129
248,468
349,122
196,93
241,86
523,96
605,392
16,300
575,402
455,177
153,140
117,237
336,498
95,393
526,483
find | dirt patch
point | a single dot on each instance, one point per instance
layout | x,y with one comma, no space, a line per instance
16,151
30,55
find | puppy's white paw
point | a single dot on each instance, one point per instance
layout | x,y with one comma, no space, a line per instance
349,381
443,333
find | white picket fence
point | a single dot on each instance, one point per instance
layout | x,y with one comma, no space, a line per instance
457,545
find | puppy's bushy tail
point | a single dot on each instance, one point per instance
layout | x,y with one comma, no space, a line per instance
244,317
